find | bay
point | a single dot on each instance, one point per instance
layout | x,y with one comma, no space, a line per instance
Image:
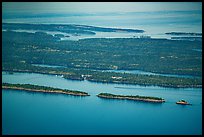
38,113
155,24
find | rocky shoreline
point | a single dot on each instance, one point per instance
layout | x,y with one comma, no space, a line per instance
53,90
136,98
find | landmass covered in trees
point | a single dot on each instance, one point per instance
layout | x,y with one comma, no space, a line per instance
36,88
184,33
80,59
130,97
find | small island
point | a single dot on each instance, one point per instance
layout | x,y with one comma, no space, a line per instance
184,33
186,38
44,89
130,97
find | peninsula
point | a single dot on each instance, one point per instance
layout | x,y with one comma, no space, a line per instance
73,29
130,97
184,33
44,89
86,59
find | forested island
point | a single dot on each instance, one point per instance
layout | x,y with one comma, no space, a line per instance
184,33
44,89
135,98
86,58
187,38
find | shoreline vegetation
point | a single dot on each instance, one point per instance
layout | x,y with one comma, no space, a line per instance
184,33
130,97
44,89
83,59
107,77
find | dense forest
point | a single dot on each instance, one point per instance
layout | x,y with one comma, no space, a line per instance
131,97
184,33
44,88
80,58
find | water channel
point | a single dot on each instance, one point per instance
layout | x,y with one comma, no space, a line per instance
39,113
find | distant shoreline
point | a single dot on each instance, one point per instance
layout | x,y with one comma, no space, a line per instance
184,33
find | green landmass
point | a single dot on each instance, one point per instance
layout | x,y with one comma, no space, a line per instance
184,33
81,58
36,88
136,97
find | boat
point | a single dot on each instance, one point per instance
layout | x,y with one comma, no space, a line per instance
183,102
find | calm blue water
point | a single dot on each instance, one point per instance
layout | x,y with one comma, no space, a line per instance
48,66
39,113
151,73
127,71
154,23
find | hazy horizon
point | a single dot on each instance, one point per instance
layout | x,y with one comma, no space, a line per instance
150,16
97,7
